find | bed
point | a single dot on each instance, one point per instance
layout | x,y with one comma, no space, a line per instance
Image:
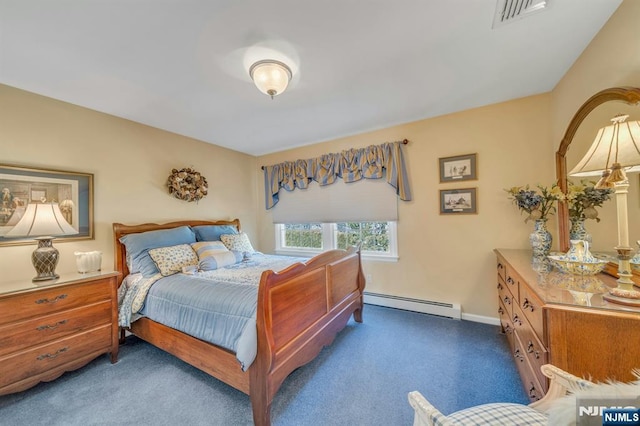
299,311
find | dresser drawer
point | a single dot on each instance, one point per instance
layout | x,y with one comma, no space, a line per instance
36,360
44,302
513,282
531,307
505,296
535,352
501,269
532,386
507,325
44,329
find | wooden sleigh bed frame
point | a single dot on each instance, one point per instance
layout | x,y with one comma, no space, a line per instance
300,310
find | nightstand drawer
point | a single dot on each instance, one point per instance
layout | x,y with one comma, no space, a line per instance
43,302
36,360
44,329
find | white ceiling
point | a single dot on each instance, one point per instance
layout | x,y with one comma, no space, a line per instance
359,65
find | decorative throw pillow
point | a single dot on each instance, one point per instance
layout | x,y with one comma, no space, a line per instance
219,260
238,242
208,248
138,245
171,260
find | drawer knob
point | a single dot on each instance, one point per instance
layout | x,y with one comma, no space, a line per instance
507,300
500,310
533,392
508,329
500,266
51,326
53,355
510,281
499,286
518,355
530,347
517,320
526,304
54,300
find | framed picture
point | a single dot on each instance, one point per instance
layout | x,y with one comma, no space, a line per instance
21,186
461,167
458,201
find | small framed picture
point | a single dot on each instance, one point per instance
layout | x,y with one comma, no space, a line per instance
458,168
458,201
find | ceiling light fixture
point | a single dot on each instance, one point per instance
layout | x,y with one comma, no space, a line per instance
271,77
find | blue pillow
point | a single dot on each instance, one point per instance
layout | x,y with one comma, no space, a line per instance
138,246
213,232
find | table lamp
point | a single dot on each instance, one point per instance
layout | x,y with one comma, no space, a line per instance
43,221
614,153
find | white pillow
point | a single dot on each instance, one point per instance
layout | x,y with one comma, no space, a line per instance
238,242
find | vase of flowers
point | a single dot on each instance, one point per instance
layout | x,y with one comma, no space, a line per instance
539,204
578,231
582,199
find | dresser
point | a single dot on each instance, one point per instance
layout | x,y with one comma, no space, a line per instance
48,328
550,317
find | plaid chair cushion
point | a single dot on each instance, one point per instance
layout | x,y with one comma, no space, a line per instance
497,414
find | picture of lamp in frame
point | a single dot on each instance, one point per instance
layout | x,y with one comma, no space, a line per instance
22,186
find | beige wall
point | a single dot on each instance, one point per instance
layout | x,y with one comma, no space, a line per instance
130,163
450,258
611,60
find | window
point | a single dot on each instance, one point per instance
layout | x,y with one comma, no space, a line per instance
377,239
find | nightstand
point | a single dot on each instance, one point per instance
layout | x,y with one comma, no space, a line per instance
51,327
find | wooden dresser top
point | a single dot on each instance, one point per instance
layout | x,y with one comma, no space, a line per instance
555,287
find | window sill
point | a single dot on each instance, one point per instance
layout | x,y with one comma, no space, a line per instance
364,256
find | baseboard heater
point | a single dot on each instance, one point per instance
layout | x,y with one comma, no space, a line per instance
449,310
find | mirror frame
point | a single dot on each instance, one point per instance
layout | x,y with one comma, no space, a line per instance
630,95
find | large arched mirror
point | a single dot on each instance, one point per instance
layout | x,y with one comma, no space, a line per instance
593,115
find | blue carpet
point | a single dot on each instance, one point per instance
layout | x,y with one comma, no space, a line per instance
363,378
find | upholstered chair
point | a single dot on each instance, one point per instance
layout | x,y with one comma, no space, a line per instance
501,413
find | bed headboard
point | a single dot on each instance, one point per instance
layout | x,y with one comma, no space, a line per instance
120,229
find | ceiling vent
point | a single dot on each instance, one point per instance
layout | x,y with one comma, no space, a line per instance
512,10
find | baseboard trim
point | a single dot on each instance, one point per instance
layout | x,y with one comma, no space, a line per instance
481,318
449,310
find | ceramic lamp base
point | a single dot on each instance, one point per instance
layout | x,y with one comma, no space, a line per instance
45,259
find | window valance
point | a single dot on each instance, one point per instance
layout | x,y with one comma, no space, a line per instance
372,162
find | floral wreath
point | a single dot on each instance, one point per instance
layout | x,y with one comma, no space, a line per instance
187,184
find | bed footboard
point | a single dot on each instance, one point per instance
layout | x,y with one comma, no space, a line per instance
301,310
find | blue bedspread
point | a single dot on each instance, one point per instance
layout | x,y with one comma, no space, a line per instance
215,306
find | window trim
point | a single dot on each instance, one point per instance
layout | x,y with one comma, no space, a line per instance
329,231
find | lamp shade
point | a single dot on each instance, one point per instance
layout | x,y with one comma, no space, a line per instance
41,220
271,77
617,143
